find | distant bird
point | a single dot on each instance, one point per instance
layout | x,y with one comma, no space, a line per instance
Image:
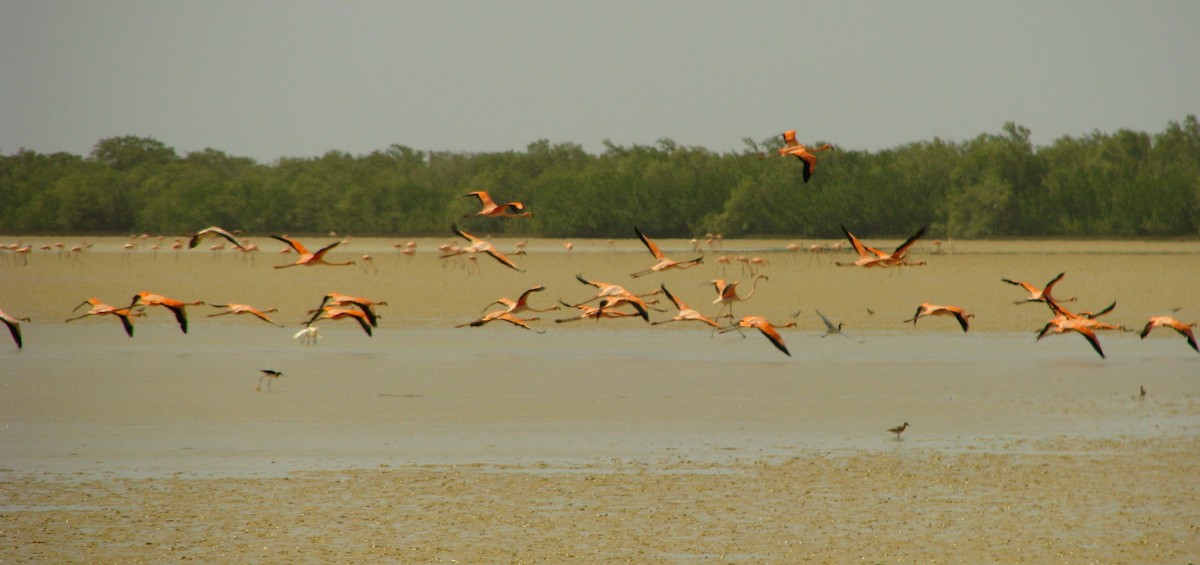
762,325
1039,294
1141,392
796,149
871,257
309,258
831,329
334,313
927,309
214,231
663,262
308,335
177,307
269,375
479,245
1169,322
727,294
899,429
685,314
14,326
492,210
504,316
232,308
102,309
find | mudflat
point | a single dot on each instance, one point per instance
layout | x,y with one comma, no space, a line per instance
601,441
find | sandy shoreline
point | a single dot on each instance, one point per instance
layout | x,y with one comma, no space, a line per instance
1103,501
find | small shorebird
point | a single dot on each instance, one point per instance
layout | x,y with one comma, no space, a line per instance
899,430
927,309
269,375
14,326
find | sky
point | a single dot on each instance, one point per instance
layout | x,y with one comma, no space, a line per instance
272,79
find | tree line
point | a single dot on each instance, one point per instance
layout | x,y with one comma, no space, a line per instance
1118,184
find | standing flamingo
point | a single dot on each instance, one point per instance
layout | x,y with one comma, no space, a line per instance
176,307
1169,322
309,258
802,152
663,262
927,309
14,326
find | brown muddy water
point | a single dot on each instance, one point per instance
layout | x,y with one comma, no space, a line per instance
84,402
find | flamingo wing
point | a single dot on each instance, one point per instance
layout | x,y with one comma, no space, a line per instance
503,259
678,303
771,334
654,250
1092,339
293,243
908,243
14,329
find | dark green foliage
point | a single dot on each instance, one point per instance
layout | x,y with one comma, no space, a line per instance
1121,184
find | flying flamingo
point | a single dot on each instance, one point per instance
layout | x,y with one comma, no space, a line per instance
1160,322
768,330
365,304
14,326
927,309
176,307
593,313
800,151
493,210
334,313
232,308
1039,294
478,245
727,293
309,258
102,309
505,316
685,314
1083,326
607,290
663,262
871,257
214,231
521,304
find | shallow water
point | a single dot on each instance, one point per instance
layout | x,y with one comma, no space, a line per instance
83,397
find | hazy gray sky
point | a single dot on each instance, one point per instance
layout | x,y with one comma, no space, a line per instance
272,79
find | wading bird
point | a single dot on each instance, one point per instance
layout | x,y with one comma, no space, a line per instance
802,152
102,309
1169,322
768,330
176,307
492,210
309,258
269,375
685,314
831,329
478,245
663,262
214,231
308,335
871,257
899,430
727,294
927,309
14,326
232,308
1039,294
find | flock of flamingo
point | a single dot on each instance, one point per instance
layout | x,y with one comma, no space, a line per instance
611,300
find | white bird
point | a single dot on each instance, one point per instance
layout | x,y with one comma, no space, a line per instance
308,335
